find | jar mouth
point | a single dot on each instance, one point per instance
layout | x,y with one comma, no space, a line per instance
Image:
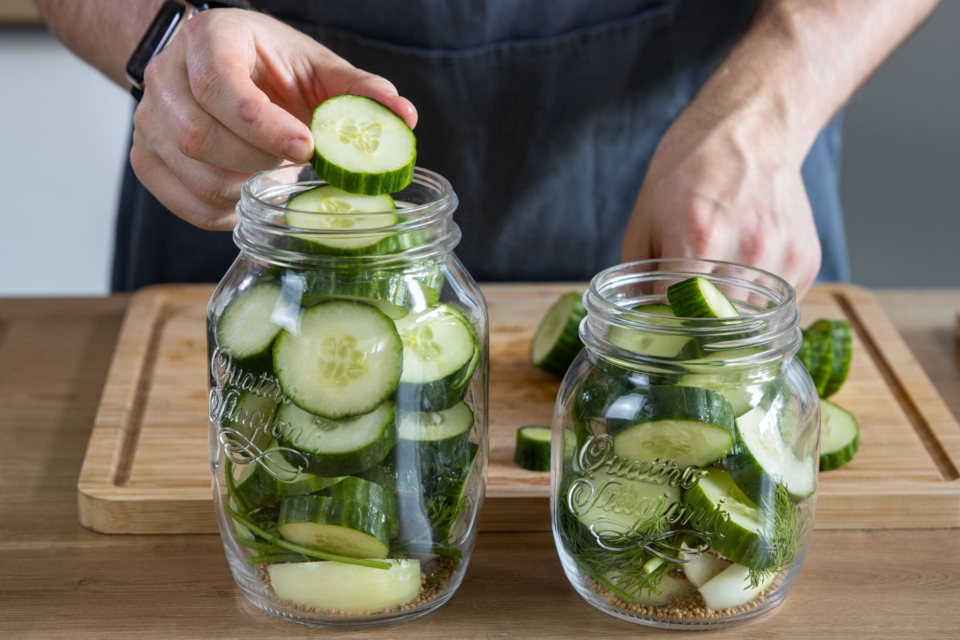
422,217
765,330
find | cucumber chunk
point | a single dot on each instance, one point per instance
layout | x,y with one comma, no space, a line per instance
841,336
816,354
326,208
345,361
703,568
557,340
699,298
731,588
440,354
735,387
765,458
245,329
649,343
533,448
336,526
839,436
745,536
684,425
360,491
345,587
336,447
670,589
361,146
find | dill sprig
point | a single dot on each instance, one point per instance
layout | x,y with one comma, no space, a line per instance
788,530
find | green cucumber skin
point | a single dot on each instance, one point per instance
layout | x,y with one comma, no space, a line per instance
529,454
842,338
368,184
816,355
687,301
257,363
568,345
259,489
343,463
830,460
669,402
360,491
324,510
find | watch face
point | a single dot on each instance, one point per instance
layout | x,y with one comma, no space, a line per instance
158,34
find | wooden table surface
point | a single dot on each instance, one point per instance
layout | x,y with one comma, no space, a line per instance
59,580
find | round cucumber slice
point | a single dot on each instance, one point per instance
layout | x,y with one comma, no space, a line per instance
839,436
361,146
841,336
533,448
345,361
331,448
326,208
245,329
336,586
346,528
557,340
699,298
744,538
684,425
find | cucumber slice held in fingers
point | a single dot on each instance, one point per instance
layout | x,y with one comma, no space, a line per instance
839,436
354,218
345,361
362,146
557,340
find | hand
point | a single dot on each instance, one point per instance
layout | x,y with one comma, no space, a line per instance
232,95
724,188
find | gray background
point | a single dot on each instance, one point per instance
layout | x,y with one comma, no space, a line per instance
63,128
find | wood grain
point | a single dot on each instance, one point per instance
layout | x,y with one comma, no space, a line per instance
147,466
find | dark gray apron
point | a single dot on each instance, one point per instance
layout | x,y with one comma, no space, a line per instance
543,114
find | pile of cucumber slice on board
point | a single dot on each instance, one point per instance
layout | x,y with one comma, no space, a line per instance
749,505
355,431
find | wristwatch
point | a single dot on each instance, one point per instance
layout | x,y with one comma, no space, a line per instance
160,32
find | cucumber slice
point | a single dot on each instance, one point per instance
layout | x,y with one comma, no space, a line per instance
361,146
291,480
731,588
684,425
670,589
816,354
533,448
360,491
440,354
765,459
557,340
346,528
336,447
652,344
327,208
839,436
842,337
345,362
703,568
245,329
246,418
335,586
744,538
256,487
735,387
699,298
392,311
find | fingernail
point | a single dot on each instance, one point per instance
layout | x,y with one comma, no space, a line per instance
297,149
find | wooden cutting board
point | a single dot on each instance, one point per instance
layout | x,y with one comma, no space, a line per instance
147,468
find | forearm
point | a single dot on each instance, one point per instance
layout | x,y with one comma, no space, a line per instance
102,32
801,60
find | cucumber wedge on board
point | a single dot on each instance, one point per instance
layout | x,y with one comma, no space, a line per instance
839,436
557,340
345,361
361,146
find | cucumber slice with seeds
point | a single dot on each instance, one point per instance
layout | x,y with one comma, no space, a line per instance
841,336
326,208
699,298
361,146
345,362
557,340
245,329
839,436
328,448
533,448
345,528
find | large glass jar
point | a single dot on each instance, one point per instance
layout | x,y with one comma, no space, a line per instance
347,403
685,450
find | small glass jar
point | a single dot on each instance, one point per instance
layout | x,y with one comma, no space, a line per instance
347,404
685,450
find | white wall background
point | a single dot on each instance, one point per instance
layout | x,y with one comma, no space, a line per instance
63,132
